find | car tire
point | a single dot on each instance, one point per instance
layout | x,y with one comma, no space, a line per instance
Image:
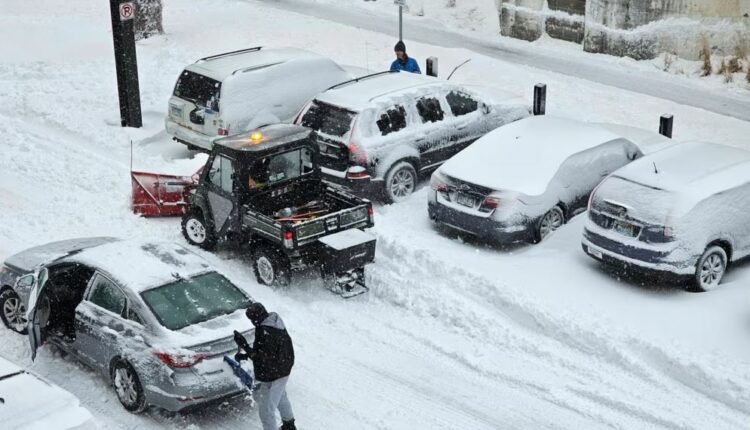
400,182
196,231
271,267
127,386
710,269
551,221
12,311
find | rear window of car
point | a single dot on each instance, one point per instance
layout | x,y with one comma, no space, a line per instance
198,89
328,119
194,300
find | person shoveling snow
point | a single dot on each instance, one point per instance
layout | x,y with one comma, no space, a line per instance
272,355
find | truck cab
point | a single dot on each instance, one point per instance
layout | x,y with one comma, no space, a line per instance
264,189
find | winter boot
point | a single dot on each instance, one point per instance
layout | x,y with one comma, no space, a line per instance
288,425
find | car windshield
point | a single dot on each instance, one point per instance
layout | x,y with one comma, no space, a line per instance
192,301
197,88
327,119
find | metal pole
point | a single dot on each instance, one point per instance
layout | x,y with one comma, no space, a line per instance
122,14
400,22
540,99
666,123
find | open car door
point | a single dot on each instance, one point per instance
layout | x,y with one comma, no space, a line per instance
36,317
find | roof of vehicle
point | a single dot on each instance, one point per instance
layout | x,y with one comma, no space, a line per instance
358,94
28,259
142,265
648,141
274,137
699,169
37,403
524,155
221,66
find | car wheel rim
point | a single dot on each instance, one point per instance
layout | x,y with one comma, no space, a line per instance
402,184
265,270
712,271
14,313
195,230
551,222
125,386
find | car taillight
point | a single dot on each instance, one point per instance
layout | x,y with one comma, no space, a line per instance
288,239
438,185
357,172
370,213
180,361
223,132
356,153
491,202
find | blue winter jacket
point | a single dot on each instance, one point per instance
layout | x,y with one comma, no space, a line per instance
410,65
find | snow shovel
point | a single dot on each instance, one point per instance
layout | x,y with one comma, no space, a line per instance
242,346
241,373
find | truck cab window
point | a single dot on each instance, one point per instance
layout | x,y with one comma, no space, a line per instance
221,173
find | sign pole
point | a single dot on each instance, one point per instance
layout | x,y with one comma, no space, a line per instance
400,22
123,35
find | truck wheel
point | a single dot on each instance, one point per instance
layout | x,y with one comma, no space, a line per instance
271,267
400,182
710,269
128,387
12,311
197,232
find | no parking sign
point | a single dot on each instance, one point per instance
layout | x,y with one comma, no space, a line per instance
127,11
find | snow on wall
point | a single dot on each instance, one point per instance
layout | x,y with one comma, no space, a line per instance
636,28
644,28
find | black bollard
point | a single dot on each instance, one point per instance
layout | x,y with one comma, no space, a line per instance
665,125
540,99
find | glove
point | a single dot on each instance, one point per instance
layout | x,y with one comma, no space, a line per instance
240,356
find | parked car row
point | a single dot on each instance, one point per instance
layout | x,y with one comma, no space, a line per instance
497,172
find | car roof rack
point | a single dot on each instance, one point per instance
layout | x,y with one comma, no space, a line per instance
372,75
226,54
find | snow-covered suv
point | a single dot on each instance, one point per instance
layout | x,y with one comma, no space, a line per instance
237,91
682,210
376,133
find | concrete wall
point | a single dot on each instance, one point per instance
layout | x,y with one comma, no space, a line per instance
637,28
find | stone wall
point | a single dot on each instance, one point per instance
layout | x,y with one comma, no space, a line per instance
637,28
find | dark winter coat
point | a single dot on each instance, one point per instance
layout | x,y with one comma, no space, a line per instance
273,352
410,65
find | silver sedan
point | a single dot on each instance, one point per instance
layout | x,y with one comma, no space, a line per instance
154,318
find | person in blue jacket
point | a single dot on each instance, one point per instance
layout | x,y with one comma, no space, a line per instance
403,62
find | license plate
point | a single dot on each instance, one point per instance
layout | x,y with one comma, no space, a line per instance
595,253
465,199
624,228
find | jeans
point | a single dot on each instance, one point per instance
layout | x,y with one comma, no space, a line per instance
271,396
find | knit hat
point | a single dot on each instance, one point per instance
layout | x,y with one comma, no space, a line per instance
256,313
399,46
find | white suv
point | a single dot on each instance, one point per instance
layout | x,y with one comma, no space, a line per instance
377,132
237,91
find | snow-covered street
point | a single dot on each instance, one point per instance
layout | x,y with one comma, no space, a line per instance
454,333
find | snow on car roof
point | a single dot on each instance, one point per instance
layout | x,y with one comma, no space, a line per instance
222,66
524,155
28,259
357,95
696,169
142,265
648,141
